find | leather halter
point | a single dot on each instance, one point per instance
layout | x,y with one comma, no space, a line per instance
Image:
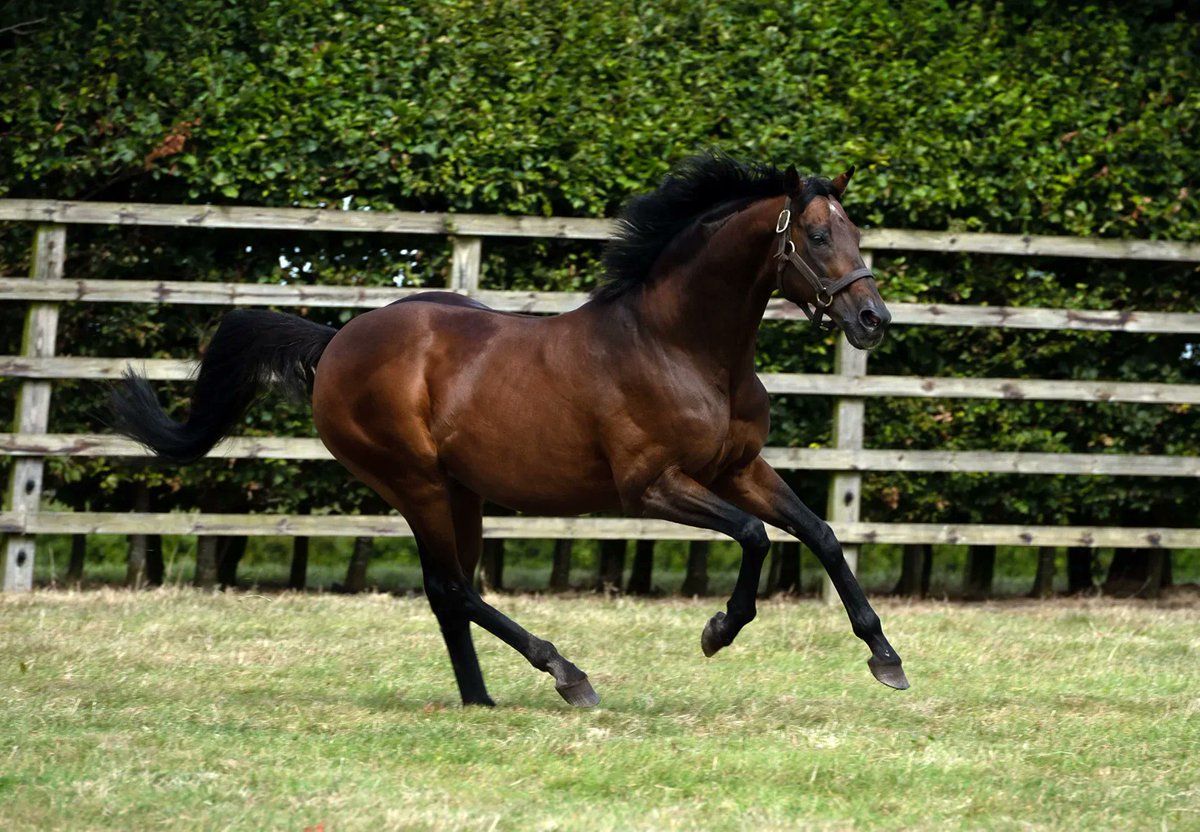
786,253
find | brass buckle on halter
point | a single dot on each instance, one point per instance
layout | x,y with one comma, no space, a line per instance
785,219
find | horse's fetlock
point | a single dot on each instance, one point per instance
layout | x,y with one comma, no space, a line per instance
866,624
542,653
742,615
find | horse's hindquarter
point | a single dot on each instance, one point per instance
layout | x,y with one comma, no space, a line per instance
489,398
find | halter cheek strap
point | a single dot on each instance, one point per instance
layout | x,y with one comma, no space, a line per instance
786,253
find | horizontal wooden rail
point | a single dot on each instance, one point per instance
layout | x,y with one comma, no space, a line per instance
600,528
574,228
798,384
372,297
816,459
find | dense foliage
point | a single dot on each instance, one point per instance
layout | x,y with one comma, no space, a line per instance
1042,117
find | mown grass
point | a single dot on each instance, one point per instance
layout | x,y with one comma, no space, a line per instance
182,709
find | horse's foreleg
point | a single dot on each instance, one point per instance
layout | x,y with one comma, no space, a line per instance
761,491
677,497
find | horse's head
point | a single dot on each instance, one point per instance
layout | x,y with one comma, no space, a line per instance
819,266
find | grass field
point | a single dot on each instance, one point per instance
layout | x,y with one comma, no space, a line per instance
187,710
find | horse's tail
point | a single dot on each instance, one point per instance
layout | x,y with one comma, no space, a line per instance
251,350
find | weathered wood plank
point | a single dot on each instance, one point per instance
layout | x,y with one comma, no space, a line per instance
195,292
814,459
33,405
813,384
1013,317
302,219
925,387
549,303
603,528
983,462
95,369
886,239
578,228
466,261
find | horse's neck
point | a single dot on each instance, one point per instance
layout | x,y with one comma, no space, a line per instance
712,302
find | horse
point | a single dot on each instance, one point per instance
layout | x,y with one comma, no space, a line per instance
643,401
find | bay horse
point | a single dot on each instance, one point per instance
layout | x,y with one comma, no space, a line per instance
644,400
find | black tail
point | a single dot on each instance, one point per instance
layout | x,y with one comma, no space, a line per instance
251,350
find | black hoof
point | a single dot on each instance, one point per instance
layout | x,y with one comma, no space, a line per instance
891,675
485,702
713,638
581,694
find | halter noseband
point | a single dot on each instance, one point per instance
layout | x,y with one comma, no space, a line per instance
824,293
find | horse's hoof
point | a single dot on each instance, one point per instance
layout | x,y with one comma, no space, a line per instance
891,675
581,694
711,640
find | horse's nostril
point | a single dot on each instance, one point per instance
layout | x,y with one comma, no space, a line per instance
870,319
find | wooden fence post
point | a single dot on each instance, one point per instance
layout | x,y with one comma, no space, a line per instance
610,565
135,559
466,261
844,486
33,407
914,570
298,576
695,580
1043,581
641,574
356,570
560,570
788,555
981,571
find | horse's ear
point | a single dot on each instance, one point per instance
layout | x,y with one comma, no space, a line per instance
839,184
791,181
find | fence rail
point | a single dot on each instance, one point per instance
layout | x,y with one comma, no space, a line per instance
371,297
47,287
594,528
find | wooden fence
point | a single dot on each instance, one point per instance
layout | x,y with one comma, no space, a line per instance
38,366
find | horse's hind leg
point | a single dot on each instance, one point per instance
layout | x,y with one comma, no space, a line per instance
435,524
456,631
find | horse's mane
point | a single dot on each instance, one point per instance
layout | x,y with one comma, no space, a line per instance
707,186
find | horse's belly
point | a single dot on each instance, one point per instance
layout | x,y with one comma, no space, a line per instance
535,473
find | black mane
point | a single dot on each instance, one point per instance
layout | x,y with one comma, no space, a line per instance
694,188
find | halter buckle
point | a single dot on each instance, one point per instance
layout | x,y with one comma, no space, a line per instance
785,219
824,298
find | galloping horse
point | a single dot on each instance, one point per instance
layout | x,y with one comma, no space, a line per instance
643,400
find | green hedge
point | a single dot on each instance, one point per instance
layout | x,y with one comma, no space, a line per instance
1041,117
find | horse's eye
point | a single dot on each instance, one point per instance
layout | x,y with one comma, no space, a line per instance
818,239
